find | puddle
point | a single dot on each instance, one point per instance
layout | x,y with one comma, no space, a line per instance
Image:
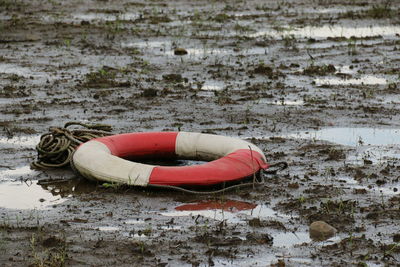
105,17
21,71
213,86
24,171
366,80
133,221
230,211
148,44
21,141
290,239
375,145
108,228
167,48
353,136
29,195
326,31
348,180
345,69
68,187
171,227
332,10
202,52
14,69
283,102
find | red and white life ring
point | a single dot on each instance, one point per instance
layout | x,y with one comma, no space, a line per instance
229,158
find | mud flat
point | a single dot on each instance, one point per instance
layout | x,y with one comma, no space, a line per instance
313,83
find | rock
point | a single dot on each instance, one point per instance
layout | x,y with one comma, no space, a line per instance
180,51
320,230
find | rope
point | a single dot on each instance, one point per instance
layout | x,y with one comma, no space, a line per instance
56,147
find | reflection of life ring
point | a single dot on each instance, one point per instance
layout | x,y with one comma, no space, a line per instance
230,158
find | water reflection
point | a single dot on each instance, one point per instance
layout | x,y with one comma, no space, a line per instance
353,136
326,31
26,195
21,141
228,210
365,80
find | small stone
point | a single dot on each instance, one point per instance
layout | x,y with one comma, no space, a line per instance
320,231
180,51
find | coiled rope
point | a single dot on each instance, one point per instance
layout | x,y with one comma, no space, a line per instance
56,147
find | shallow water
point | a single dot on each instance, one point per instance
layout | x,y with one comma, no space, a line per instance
20,141
365,80
290,239
326,31
353,136
105,17
26,195
233,215
283,102
213,86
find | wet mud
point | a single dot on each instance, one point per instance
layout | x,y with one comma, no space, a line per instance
312,83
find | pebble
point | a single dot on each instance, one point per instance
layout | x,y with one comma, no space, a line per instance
320,230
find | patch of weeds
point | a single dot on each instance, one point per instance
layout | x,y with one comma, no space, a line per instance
113,186
289,41
15,77
11,5
242,28
113,28
380,11
336,154
50,252
352,46
223,97
103,79
174,78
319,70
266,70
9,91
67,43
139,247
222,17
159,19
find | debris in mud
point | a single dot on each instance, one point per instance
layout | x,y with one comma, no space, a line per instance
268,71
103,79
319,70
174,78
320,230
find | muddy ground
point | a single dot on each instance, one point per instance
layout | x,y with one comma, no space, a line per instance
313,83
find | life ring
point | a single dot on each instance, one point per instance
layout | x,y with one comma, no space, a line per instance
230,159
